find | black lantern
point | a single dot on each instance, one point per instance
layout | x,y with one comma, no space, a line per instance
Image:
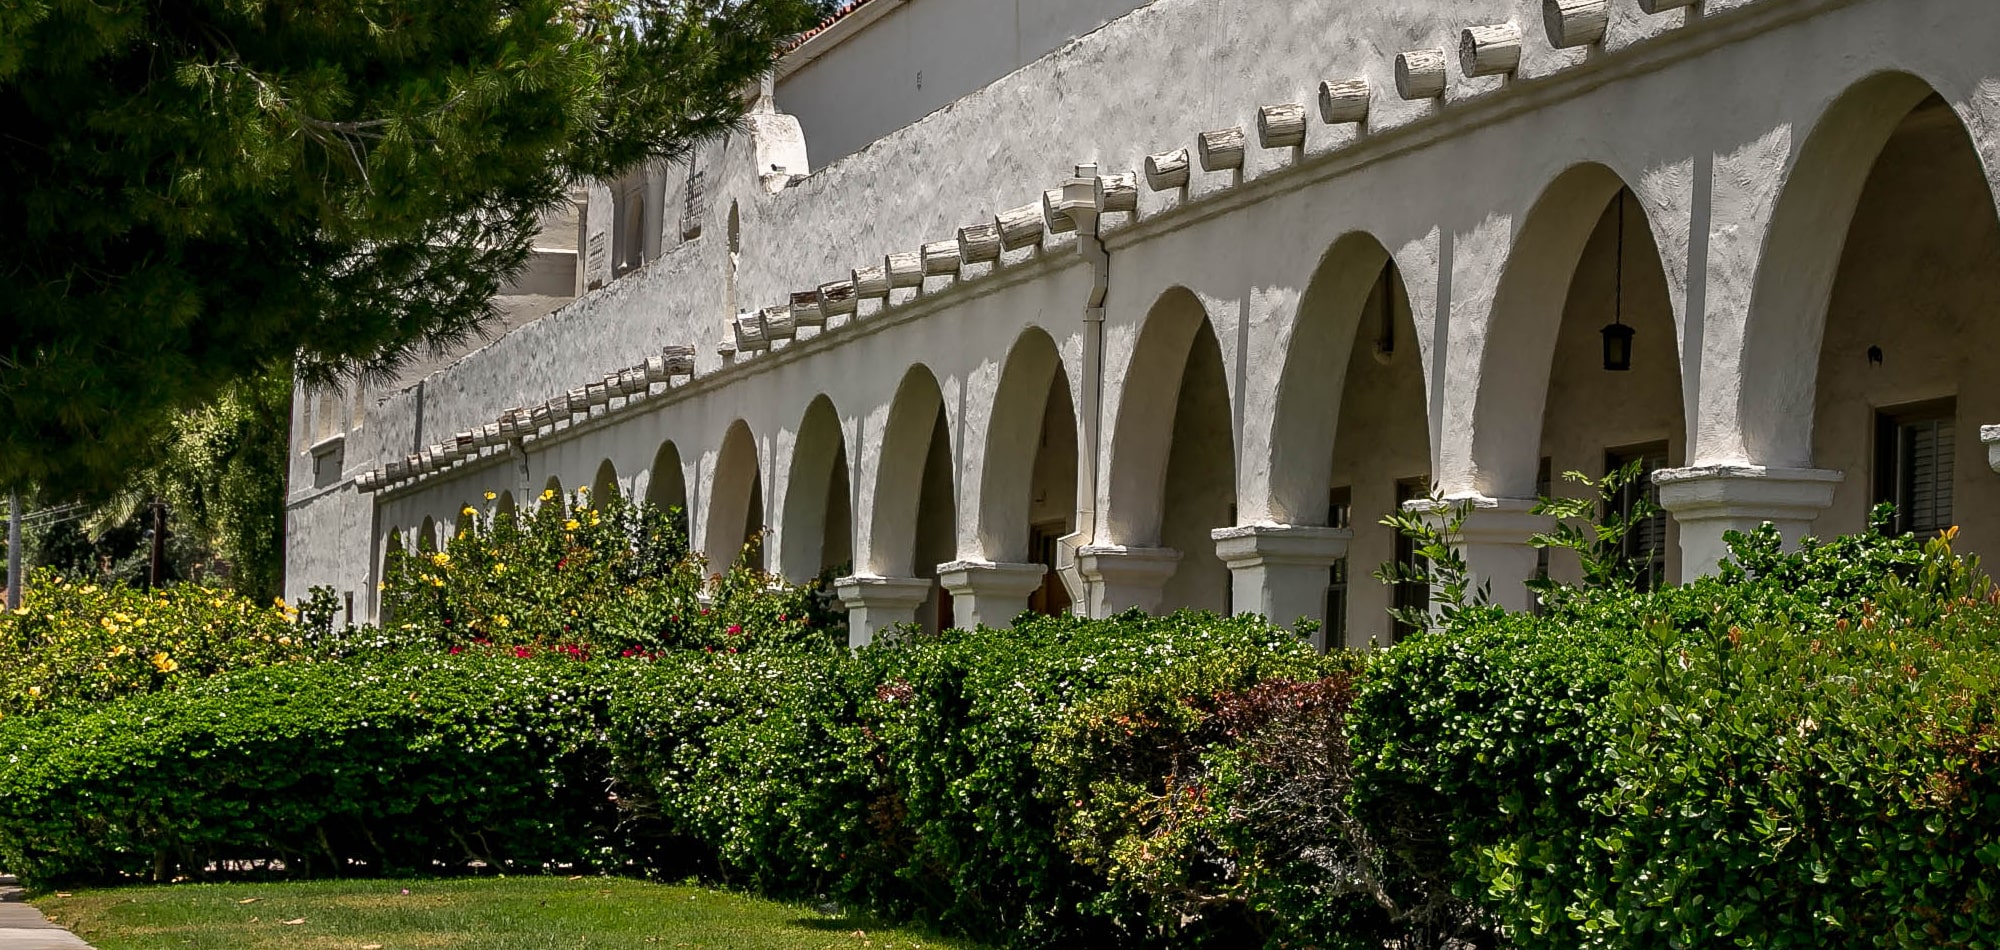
1618,347
1618,336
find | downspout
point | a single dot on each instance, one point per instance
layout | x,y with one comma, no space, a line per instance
1083,201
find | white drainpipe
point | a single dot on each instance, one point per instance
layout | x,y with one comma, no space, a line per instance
1083,201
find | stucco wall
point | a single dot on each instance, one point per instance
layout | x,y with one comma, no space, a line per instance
921,56
1733,127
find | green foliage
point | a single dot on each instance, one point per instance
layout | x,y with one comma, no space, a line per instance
1595,529
199,192
1212,797
400,764
76,642
609,576
1496,741
1440,564
1787,786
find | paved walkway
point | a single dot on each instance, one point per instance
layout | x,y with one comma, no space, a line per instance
22,927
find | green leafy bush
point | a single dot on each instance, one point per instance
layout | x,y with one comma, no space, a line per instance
1213,796
610,577
389,765
1784,785
1486,751
76,642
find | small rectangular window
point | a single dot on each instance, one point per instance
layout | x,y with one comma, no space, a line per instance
1409,595
1646,543
1914,465
1544,486
1339,514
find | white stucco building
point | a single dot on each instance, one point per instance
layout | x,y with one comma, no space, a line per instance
1205,387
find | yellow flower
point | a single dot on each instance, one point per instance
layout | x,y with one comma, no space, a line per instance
441,559
120,650
35,691
490,496
593,518
571,525
164,663
500,621
499,569
467,511
583,489
548,493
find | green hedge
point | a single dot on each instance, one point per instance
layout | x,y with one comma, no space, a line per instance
1800,751
387,765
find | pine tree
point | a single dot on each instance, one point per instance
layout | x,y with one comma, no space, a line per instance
195,192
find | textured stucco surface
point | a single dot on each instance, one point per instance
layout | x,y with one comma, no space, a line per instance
1746,130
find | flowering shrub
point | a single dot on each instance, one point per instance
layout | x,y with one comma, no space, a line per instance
78,642
605,577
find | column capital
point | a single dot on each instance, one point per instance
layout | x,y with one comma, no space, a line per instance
1259,545
1281,571
875,604
1737,492
989,593
1493,539
1709,501
1990,435
1120,576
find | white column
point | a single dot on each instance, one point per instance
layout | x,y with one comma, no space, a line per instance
1494,542
1709,501
875,604
989,593
1121,577
1281,571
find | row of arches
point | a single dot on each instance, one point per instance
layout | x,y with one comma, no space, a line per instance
1857,350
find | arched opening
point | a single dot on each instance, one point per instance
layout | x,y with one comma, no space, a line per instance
818,522
552,493
1350,442
1028,485
392,549
427,540
915,519
467,517
1173,474
1904,374
1596,419
736,503
1552,396
666,488
605,485
504,507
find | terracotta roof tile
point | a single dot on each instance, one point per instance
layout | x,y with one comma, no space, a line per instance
845,10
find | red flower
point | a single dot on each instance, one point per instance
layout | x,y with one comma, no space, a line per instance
456,650
781,618
735,629
523,653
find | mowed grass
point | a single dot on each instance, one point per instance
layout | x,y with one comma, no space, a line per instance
515,913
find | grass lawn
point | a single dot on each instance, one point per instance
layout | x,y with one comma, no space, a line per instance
515,913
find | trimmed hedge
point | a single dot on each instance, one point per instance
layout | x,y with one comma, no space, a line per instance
389,765
1804,750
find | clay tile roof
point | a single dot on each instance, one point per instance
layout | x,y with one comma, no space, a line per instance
838,15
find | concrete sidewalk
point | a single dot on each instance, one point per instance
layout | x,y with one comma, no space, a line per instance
22,927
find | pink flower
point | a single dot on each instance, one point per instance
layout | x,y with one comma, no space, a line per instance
735,629
781,618
523,653
456,650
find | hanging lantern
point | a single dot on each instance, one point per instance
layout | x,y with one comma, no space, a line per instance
1618,336
1618,347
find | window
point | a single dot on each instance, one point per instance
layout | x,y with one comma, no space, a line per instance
1914,465
1646,543
1339,514
695,205
1409,595
1544,484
